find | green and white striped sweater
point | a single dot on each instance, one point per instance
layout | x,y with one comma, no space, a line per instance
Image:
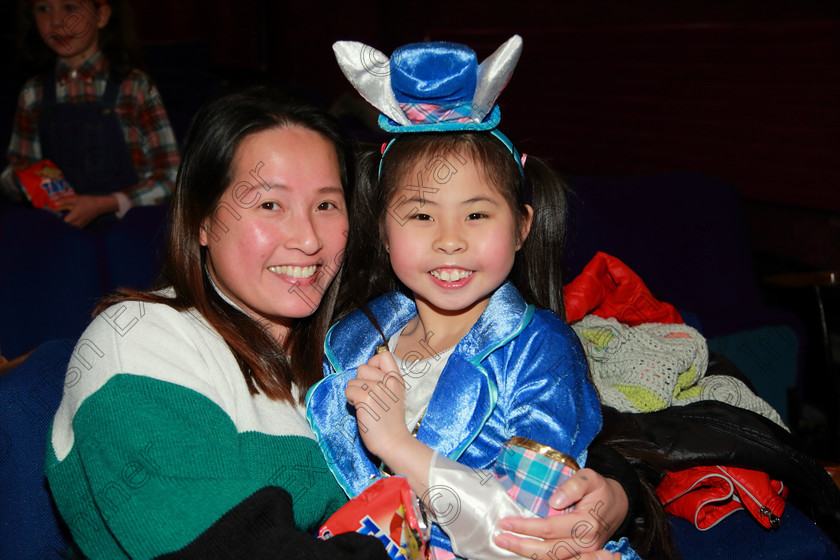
158,447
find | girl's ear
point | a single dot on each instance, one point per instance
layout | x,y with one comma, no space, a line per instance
525,228
383,236
202,234
103,15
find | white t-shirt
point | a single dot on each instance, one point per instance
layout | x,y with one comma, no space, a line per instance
421,377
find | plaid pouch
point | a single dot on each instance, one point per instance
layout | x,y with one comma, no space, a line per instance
530,472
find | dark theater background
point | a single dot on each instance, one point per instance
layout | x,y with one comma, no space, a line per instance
744,92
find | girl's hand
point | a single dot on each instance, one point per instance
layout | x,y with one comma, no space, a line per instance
86,208
378,393
600,507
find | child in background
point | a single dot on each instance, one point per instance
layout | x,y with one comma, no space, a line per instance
91,111
460,238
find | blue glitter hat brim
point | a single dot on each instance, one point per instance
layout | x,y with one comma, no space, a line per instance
491,122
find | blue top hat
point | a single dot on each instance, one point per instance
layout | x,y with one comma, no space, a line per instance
436,86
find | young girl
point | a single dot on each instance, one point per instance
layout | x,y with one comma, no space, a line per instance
181,431
91,112
461,240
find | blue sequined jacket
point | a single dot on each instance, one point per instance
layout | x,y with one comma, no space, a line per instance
517,372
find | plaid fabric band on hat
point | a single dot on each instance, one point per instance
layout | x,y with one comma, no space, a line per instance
530,477
429,113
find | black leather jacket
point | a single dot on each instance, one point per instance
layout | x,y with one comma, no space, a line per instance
715,433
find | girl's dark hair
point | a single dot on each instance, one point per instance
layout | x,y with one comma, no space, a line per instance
537,267
117,40
205,173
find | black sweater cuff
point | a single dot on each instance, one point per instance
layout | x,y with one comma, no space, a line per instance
263,526
609,463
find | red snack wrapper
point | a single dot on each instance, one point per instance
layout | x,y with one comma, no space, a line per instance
44,186
386,510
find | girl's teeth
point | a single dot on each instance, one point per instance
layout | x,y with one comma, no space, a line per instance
294,271
447,276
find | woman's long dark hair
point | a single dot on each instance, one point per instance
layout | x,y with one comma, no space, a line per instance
205,173
117,40
537,267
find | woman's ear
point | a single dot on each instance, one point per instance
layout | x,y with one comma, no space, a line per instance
525,227
202,234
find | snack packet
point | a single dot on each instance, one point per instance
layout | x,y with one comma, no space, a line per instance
43,184
530,471
388,511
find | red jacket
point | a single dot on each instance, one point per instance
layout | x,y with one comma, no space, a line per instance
608,288
706,495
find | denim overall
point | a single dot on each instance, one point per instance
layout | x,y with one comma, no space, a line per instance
86,141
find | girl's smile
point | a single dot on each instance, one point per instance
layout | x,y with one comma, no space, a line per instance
452,277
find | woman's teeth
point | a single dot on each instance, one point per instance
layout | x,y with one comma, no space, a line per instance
294,271
451,276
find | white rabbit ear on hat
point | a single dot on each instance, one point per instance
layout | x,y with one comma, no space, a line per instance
369,71
493,75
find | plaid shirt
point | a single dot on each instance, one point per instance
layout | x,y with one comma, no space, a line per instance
139,109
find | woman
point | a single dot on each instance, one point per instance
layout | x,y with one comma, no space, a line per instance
180,431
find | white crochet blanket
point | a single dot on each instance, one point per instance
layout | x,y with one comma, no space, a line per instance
653,366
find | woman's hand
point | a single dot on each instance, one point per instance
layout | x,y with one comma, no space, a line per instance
378,393
86,208
600,508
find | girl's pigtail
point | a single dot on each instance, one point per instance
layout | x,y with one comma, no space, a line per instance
537,270
364,244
